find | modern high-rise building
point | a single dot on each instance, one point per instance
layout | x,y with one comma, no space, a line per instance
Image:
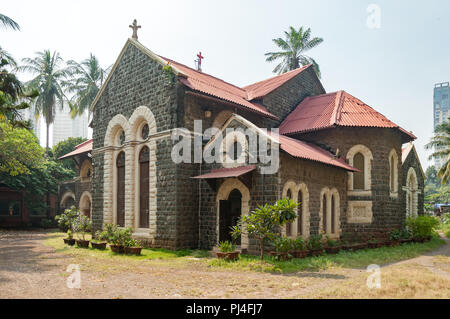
441,110
64,126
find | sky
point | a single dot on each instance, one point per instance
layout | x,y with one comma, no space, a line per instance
391,63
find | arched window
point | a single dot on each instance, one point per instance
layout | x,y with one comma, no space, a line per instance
358,177
359,183
393,173
412,192
300,213
289,225
120,195
324,212
144,191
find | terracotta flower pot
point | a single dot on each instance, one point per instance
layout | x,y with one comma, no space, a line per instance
281,256
118,249
132,250
394,243
82,243
101,245
69,241
316,252
375,244
405,240
299,253
332,250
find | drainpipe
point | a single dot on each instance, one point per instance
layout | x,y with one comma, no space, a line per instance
199,204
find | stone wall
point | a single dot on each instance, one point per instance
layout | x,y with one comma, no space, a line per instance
388,212
285,98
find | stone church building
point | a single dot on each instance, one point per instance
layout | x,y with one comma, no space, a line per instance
350,168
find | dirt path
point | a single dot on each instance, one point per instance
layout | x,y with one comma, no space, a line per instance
29,269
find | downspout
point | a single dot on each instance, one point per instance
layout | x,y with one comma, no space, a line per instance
199,204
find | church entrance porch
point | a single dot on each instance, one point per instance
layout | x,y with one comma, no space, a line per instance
229,214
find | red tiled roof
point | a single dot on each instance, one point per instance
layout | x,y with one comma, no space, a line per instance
335,109
301,149
227,172
264,87
84,147
211,85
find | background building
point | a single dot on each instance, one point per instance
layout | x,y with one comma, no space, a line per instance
440,110
64,126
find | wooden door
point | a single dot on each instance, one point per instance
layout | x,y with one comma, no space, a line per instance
120,198
224,224
144,188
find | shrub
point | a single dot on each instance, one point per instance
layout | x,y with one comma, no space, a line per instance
315,242
108,234
445,219
66,219
282,244
331,242
131,243
422,227
46,223
69,234
405,234
226,246
394,235
299,244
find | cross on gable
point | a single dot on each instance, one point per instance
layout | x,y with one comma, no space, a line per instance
135,27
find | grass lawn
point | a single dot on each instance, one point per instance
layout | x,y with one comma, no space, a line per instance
345,259
357,259
55,240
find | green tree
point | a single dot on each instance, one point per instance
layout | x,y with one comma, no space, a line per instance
86,80
13,97
293,48
64,147
20,151
264,222
441,144
7,22
48,82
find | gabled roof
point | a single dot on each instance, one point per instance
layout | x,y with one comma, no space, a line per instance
262,88
335,109
81,148
211,85
405,152
293,147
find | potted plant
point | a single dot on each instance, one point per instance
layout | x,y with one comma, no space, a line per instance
332,246
315,245
227,250
374,243
394,237
299,249
82,225
100,240
69,240
405,236
111,234
282,247
132,247
119,239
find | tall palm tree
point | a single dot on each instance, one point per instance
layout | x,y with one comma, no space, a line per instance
441,143
7,22
86,79
293,47
48,82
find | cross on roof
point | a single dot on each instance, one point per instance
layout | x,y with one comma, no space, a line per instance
199,61
135,27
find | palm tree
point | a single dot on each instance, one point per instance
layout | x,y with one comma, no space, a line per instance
48,82
441,143
293,47
86,79
7,22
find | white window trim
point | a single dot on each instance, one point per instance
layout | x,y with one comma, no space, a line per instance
393,193
365,151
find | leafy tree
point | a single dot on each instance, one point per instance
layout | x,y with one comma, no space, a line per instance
264,222
64,147
20,151
13,97
441,144
48,82
86,79
7,22
293,48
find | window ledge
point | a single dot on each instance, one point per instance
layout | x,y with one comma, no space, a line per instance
359,193
393,194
